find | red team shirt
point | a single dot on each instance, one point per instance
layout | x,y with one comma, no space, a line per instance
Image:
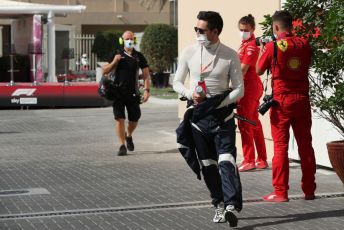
290,75
248,54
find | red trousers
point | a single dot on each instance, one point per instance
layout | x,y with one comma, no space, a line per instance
251,136
293,110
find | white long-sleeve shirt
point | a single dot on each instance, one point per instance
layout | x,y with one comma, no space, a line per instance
222,71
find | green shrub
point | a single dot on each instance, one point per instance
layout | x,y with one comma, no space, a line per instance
160,46
106,42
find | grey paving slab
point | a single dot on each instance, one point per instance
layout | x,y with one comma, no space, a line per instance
72,154
322,214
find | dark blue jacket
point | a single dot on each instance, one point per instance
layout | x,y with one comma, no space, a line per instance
206,109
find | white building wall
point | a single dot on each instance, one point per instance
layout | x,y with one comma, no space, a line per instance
322,133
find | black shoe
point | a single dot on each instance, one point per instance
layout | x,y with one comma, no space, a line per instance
122,151
130,143
231,217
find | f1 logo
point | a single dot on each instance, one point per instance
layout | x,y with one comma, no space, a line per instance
26,92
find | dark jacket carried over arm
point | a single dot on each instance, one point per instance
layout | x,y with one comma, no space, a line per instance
185,141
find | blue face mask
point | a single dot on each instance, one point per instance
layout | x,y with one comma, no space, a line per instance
129,44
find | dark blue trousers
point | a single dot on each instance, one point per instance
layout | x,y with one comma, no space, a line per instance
216,151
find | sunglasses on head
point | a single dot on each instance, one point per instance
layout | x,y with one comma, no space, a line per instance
199,30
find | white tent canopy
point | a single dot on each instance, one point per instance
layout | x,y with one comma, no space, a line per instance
13,9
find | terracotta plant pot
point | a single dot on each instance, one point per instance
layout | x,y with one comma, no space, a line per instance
336,154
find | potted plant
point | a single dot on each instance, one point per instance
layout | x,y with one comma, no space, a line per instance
322,23
159,45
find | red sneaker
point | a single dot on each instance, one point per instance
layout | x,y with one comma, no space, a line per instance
261,164
246,167
272,197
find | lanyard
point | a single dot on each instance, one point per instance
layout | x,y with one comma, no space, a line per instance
272,72
203,69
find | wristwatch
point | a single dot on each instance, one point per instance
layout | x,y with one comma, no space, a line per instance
146,90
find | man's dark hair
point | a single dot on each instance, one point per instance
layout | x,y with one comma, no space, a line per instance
248,20
284,18
214,20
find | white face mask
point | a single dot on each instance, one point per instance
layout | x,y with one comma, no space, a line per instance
203,39
129,44
245,35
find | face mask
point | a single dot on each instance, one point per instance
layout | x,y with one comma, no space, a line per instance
202,39
129,44
245,35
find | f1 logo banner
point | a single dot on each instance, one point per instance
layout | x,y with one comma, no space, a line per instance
26,92
50,95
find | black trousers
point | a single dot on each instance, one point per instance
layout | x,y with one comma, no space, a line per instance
215,146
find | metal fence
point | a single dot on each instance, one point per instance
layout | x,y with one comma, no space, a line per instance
83,45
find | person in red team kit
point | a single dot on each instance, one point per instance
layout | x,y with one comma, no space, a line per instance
247,106
289,66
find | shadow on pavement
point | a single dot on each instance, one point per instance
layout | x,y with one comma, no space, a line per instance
292,218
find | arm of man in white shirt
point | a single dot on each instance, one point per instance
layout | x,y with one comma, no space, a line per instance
180,76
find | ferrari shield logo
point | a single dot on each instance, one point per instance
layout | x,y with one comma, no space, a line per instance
282,45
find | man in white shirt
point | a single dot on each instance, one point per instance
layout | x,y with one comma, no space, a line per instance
214,69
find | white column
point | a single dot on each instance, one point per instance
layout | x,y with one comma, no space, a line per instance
51,48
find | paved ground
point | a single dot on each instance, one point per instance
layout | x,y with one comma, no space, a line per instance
62,165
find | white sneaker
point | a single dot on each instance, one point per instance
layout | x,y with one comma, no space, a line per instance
219,214
230,216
